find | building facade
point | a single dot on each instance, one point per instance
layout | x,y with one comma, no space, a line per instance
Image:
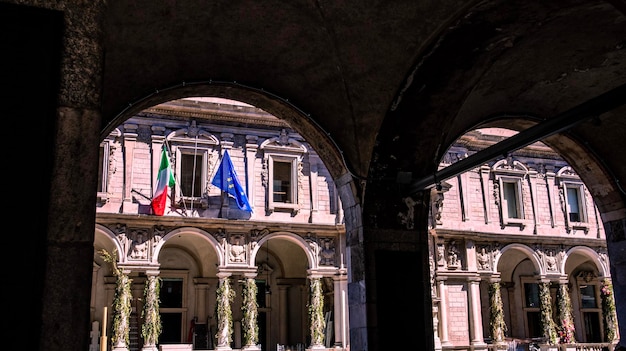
518,253
291,244
499,266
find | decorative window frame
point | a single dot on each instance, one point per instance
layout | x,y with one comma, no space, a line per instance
107,166
283,149
510,171
193,140
568,179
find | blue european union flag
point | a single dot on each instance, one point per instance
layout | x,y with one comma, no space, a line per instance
226,179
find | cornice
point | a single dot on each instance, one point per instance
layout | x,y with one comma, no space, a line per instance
212,225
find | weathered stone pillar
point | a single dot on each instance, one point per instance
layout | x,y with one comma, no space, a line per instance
62,106
616,243
355,254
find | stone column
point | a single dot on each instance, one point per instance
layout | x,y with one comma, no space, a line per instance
496,311
283,316
317,313
225,296
250,313
546,303
475,315
341,309
443,312
150,312
565,320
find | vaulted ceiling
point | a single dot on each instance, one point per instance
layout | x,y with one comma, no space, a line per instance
391,84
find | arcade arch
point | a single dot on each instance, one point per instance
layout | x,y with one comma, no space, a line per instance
195,252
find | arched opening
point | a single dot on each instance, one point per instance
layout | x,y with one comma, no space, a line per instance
293,234
520,249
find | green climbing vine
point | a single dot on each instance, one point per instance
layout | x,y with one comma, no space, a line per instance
496,321
566,319
316,312
151,328
608,310
547,323
121,301
225,297
250,313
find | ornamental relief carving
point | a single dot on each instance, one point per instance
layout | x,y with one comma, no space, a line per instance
484,258
137,244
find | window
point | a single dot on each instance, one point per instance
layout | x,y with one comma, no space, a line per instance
572,196
573,204
283,192
588,296
102,167
171,293
531,293
282,175
282,163
532,312
193,150
173,307
191,175
510,199
590,306
509,178
191,168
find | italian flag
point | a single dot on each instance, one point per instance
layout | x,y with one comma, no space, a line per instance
165,180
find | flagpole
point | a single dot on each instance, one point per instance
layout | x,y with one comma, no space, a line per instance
222,192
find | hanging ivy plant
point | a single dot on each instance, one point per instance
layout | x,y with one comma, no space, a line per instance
564,310
547,323
316,313
496,322
250,313
608,310
225,296
121,302
151,328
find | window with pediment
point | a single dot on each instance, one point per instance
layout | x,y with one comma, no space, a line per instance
282,173
194,152
509,176
573,199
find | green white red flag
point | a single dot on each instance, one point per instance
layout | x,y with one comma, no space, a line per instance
165,180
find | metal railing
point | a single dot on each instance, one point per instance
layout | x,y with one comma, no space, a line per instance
521,345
